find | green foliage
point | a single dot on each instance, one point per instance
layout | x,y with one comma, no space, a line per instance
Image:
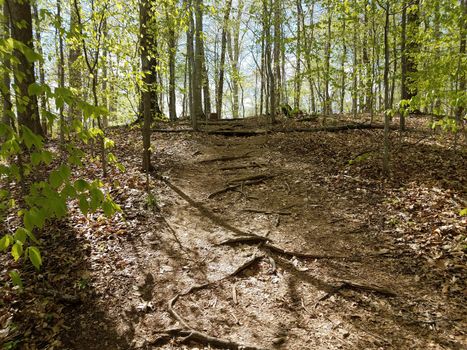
45,180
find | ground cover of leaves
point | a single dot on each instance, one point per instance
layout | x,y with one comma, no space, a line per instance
105,283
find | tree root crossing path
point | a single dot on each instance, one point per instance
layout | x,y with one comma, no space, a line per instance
260,242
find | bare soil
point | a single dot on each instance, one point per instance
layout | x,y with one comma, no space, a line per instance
389,270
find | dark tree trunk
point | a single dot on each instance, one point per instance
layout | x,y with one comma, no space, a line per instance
27,108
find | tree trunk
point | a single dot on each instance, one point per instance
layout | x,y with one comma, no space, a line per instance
220,87
7,111
148,80
275,7
74,71
344,57
461,70
386,92
61,71
27,108
327,108
172,53
198,65
298,56
42,99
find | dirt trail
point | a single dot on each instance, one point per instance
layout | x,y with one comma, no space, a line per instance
281,301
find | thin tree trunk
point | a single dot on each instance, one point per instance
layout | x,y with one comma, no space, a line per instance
220,87
172,53
74,71
386,92
7,112
298,55
198,65
61,71
42,99
344,57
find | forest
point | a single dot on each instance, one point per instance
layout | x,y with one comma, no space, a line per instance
237,174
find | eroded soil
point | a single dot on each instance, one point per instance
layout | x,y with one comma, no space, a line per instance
403,236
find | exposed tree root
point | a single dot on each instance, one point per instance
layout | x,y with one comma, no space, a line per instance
238,133
191,334
336,128
245,179
202,209
242,166
252,210
357,286
225,158
232,185
240,240
265,244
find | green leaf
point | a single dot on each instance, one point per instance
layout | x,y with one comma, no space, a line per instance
55,178
21,234
463,212
17,250
83,204
15,278
5,242
35,257
80,185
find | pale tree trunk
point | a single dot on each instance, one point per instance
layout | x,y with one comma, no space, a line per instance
172,53
344,56
327,110
74,71
220,87
206,91
298,55
366,64
61,70
268,59
105,76
277,51
42,99
234,54
307,40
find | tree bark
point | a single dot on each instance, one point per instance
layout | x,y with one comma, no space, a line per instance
7,111
198,65
21,30
220,87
